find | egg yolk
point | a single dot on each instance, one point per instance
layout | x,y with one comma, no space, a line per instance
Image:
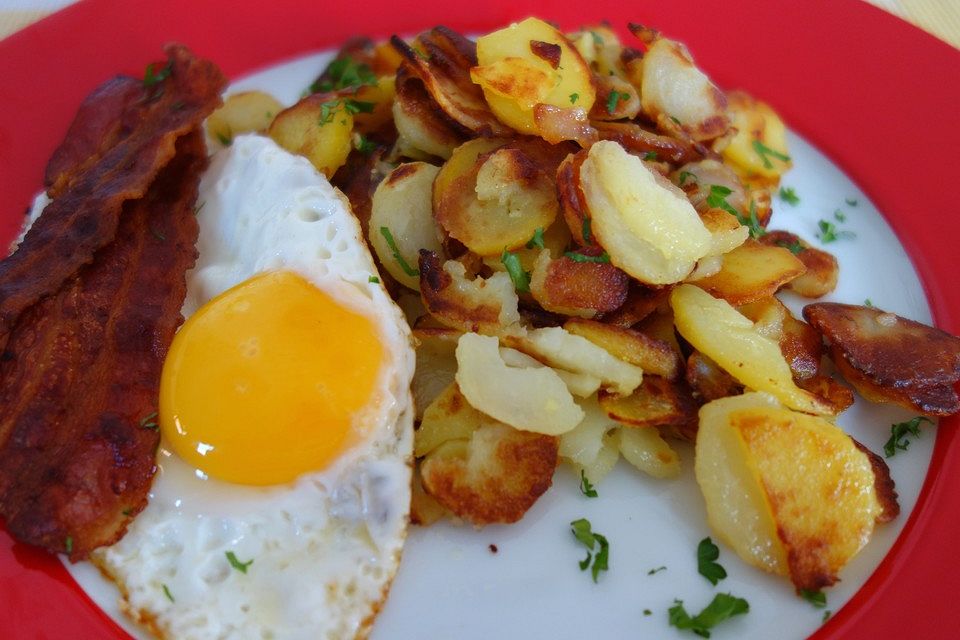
269,380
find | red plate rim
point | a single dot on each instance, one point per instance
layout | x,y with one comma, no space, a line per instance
855,81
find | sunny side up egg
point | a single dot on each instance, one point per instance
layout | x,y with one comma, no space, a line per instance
281,500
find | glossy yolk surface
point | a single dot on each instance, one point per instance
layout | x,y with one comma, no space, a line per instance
267,381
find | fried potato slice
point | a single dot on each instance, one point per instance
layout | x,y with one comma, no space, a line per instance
436,364
799,343
646,450
822,271
577,288
731,340
494,477
317,128
460,162
656,402
752,271
581,385
488,306
888,358
531,399
643,221
617,99
605,460
759,147
696,179
764,472
641,142
424,508
582,444
243,112
449,417
559,348
641,302
651,355
419,121
402,205
726,233
708,380
573,203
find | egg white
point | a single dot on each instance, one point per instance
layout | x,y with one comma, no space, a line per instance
326,546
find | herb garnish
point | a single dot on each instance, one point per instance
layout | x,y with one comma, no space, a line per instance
236,564
593,542
851,202
717,198
816,598
149,422
158,235
707,554
373,280
344,73
684,175
647,612
603,258
586,488
867,303
407,269
574,97
536,240
68,544
826,615
585,229
722,607
789,195
597,40
656,570
763,151
829,233
521,279
330,108
795,247
166,592
150,78
840,215
900,431
614,98
224,139
364,145
650,156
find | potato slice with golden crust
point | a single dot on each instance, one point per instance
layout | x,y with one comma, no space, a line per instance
625,105
424,508
752,271
696,179
759,147
573,204
731,340
459,164
708,380
641,302
822,271
420,123
726,233
402,205
582,444
577,288
488,306
656,402
242,112
449,417
889,358
557,124
653,356
581,385
799,343
646,450
531,399
641,142
317,128
436,364
494,477
831,391
643,221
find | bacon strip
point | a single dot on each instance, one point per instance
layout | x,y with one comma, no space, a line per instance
90,196
80,374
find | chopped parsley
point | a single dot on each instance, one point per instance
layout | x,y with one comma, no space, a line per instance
722,607
151,79
650,156
647,612
521,279
867,303
656,570
614,98
603,258
717,198
585,229
391,243
364,145
224,139
675,120
899,432
344,73
330,108
373,280
707,554
840,215
536,240
149,422
597,40
197,209
829,233
166,592
598,549
851,202
752,222
684,176
127,512
816,598
68,544
795,247
826,615
764,151
574,97
236,564
586,488
789,195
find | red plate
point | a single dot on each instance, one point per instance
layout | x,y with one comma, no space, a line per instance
874,93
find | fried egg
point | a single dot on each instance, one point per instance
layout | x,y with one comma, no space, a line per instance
281,500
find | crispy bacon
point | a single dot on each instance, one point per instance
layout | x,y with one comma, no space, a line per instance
80,373
90,195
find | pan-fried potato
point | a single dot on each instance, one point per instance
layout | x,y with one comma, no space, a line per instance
708,380
726,232
651,355
646,450
889,358
643,221
577,288
759,147
459,164
605,460
436,364
752,271
488,306
765,471
582,444
415,116
641,302
559,348
581,385
799,343
317,128
822,271
640,142
656,402
449,417
696,178
624,105
402,206
424,508
730,339
494,477
555,240
531,399
526,64
381,95
572,201
242,112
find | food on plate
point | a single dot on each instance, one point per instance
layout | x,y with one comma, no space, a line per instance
280,507
91,300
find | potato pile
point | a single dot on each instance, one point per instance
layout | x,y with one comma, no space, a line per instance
577,231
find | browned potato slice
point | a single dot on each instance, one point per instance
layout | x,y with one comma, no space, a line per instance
424,508
605,460
645,223
641,302
834,393
402,206
449,417
494,477
488,306
318,128
889,358
572,201
799,343
657,401
617,99
459,164
555,241
646,450
696,178
436,364
577,288
752,271
416,117
583,444
641,142
653,356
708,380
822,268
726,232
581,385
242,112
759,147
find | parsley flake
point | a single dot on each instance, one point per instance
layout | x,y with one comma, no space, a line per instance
536,240
603,258
650,156
656,570
597,39
789,195
585,229
586,488
197,209
816,598
764,151
826,615
364,145
166,592
149,422
391,243
68,544
373,280
614,98
647,612
594,542
156,234
344,73
795,247
867,303
224,139
829,233
236,564
900,431
722,607
707,554
521,279
151,79
851,202
686,175
717,198
330,108
840,215
574,97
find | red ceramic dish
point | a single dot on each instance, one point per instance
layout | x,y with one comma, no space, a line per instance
875,94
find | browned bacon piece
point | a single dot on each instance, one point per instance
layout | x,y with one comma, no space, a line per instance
81,370
889,358
90,195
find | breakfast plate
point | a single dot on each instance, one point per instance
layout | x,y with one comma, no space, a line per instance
523,579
